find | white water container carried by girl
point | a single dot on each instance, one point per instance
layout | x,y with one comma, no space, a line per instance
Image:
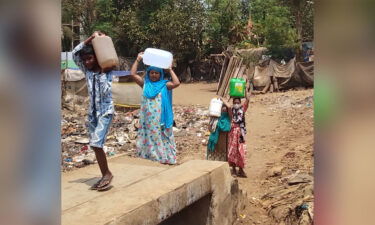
157,57
105,52
215,107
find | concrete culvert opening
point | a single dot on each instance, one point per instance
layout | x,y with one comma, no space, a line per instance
196,213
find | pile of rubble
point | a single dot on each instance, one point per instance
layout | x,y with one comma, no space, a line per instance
291,196
288,194
190,132
290,199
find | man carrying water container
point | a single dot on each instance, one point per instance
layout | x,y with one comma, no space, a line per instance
99,85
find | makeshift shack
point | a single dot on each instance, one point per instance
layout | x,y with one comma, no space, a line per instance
125,92
263,73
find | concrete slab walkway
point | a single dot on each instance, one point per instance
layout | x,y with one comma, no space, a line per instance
145,194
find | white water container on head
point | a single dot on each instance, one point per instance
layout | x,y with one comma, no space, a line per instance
215,107
157,57
105,52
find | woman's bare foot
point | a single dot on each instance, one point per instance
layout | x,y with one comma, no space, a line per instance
241,173
233,171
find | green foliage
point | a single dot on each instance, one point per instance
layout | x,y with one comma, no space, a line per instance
69,11
67,36
191,29
226,24
176,26
303,19
308,21
105,17
183,22
273,26
302,16
245,44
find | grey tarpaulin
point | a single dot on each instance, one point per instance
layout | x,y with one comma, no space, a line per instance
303,76
126,94
284,71
73,75
73,82
261,76
290,75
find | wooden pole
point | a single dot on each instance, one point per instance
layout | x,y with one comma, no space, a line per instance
72,37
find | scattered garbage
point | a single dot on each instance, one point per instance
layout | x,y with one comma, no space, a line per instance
78,158
88,161
190,134
84,149
175,129
132,136
82,141
275,171
290,155
110,151
285,194
290,204
68,160
300,178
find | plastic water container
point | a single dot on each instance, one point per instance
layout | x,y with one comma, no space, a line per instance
237,87
215,107
105,52
157,57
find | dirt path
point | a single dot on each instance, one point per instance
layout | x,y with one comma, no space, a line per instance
277,124
261,124
194,94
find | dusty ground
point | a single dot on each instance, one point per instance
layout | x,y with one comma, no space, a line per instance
280,137
194,94
279,143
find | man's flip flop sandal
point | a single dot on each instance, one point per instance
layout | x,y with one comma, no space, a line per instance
95,186
107,186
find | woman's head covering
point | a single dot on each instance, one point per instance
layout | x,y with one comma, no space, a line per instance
157,69
152,89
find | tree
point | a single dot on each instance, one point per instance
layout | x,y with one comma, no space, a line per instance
174,25
178,26
308,22
82,11
245,9
226,24
303,18
192,29
66,39
105,17
273,26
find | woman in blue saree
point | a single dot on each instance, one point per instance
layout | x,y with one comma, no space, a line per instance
155,135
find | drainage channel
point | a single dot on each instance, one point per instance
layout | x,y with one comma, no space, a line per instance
196,213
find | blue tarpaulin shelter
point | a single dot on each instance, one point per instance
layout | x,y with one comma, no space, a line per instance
67,61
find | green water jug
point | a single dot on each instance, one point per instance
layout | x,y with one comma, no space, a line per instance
237,87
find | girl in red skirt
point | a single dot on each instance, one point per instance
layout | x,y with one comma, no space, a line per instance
237,144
